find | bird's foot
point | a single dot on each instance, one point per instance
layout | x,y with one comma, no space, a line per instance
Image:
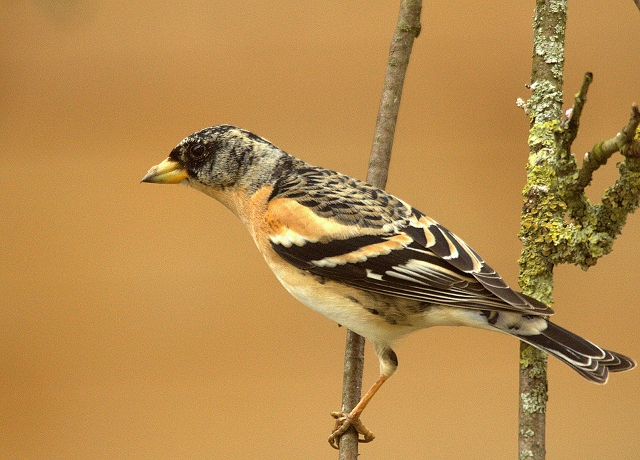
343,422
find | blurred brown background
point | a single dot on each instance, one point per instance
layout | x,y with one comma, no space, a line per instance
139,321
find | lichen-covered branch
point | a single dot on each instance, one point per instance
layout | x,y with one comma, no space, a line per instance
602,151
559,224
583,232
621,199
543,210
407,29
572,122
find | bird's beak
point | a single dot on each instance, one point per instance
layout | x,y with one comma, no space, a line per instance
167,172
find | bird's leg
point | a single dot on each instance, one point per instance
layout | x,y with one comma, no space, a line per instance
344,420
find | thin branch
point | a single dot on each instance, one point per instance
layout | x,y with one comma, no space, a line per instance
407,29
632,148
573,120
351,391
603,150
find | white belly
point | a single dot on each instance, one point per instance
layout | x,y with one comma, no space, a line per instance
347,307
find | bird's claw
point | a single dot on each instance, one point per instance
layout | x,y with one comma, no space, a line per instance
343,422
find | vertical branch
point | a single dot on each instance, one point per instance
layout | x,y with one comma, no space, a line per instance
407,29
541,210
351,391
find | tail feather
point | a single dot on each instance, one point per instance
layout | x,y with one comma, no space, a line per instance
589,360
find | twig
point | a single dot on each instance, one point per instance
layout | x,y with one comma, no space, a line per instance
603,150
407,29
573,120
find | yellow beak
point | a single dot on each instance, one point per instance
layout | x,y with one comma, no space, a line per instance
167,172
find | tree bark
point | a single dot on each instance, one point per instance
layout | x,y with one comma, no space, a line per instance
407,29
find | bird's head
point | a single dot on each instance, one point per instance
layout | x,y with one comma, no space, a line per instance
219,158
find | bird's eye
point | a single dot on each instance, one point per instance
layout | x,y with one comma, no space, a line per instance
197,151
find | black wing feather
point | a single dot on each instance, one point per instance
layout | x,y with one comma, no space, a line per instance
400,252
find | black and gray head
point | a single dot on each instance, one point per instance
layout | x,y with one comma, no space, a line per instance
220,157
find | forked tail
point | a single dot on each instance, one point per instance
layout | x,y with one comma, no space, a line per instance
589,360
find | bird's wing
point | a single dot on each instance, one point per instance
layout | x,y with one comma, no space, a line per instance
366,238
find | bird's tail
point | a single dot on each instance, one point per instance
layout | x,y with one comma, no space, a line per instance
589,360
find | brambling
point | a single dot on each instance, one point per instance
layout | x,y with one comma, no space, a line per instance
364,258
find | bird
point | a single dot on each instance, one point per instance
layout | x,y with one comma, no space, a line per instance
364,258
